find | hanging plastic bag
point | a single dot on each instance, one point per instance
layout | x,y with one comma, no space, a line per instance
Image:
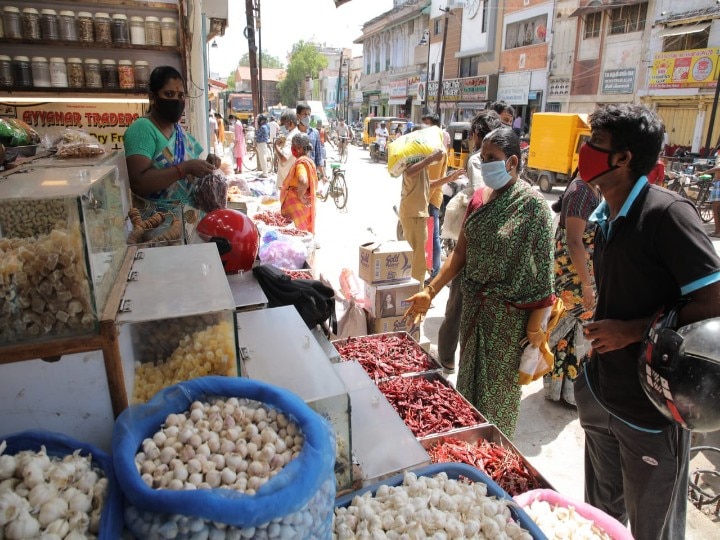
537,361
353,322
211,192
455,214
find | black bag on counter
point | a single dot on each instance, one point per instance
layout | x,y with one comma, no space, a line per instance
314,301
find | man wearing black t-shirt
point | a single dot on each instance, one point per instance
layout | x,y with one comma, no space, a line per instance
650,250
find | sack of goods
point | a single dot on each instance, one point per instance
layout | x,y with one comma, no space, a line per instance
220,457
413,147
56,487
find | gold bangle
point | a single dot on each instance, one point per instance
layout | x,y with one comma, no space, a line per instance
538,331
433,292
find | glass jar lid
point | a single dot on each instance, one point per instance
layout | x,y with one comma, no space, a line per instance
168,20
141,63
137,19
108,62
11,9
92,61
30,10
5,58
74,60
48,12
85,14
21,59
67,14
102,15
39,59
125,62
119,16
152,19
57,60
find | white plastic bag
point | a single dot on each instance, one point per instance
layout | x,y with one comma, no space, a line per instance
455,214
353,322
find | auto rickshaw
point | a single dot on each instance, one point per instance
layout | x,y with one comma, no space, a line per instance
459,150
371,123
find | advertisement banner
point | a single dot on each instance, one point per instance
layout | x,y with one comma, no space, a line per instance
514,87
412,86
398,89
450,93
105,121
474,88
696,68
618,81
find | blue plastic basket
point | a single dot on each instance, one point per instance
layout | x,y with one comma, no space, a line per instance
454,471
59,445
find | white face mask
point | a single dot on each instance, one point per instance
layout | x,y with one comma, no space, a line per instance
495,175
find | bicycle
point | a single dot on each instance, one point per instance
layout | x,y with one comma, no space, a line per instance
343,149
694,189
337,188
250,161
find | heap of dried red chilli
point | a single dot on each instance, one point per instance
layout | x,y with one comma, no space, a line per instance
504,466
298,274
272,218
428,406
287,231
386,355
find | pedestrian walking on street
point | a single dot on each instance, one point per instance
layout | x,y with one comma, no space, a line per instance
482,124
297,196
317,149
650,250
574,284
262,136
436,170
505,254
283,144
239,149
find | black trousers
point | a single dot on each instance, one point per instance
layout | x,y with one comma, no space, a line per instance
633,474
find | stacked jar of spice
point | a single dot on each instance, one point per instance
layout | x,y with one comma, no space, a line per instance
40,72
6,71
93,78
152,31
49,24
31,23
68,26
11,22
137,30
142,74
103,28
126,74
58,72
75,73
86,30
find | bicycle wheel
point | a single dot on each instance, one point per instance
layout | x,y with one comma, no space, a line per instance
704,207
339,190
344,152
250,159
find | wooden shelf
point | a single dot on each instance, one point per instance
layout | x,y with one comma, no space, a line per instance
84,45
88,5
106,92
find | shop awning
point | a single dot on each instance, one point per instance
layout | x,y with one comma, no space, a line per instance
683,29
396,101
595,6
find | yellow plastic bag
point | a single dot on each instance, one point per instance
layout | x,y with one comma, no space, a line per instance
537,361
413,147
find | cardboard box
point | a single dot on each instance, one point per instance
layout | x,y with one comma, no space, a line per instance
385,262
384,325
388,300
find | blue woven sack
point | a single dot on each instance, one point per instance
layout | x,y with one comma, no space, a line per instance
59,445
299,499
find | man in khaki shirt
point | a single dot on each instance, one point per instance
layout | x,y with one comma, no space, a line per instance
436,170
414,198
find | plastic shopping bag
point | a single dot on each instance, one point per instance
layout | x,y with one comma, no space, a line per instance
537,361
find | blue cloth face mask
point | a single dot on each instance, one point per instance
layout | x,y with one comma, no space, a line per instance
284,130
495,174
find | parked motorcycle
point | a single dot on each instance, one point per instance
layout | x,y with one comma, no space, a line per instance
378,152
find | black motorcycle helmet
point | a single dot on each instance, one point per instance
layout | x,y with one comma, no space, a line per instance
680,370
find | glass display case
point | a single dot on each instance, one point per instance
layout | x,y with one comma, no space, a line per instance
278,348
176,320
62,241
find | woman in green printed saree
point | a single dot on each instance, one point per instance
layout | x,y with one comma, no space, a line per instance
505,254
162,159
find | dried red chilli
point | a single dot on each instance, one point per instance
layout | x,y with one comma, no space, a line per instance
292,232
298,274
504,466
428,406
386,355
272,218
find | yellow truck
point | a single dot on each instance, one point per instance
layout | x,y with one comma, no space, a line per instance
555,140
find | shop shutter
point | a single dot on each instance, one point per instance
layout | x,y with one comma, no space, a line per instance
679,123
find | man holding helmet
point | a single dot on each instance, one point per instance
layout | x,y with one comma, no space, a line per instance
650,250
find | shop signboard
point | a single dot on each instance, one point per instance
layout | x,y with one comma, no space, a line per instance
474,88
618,81
696,68
412,85
514,88
398,89
450,93
105,121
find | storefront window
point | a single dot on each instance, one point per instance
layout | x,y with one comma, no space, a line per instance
626,19
592,25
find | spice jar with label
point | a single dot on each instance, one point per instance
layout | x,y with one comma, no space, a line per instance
103,28
109,74
22,72
76,73
152,31
68,26
168,27
86,31
58,73
40,72
31,23
49,24
6,71
2,29
137,30
93,79
126,74
142,74
120,29
11,22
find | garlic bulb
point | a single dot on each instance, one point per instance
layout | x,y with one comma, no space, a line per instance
23,527
11,506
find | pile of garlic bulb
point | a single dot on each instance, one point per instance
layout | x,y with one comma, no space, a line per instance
421,507
557,521
234,444
50,497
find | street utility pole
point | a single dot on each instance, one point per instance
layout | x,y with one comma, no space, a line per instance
260,78
252,52
711,126
337,96
442,61
347,99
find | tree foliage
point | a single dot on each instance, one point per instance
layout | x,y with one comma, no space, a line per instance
305,61
231,80
268,61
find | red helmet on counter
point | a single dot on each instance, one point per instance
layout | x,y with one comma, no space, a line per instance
236,236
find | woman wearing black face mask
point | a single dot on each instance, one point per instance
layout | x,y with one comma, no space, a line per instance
161,157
